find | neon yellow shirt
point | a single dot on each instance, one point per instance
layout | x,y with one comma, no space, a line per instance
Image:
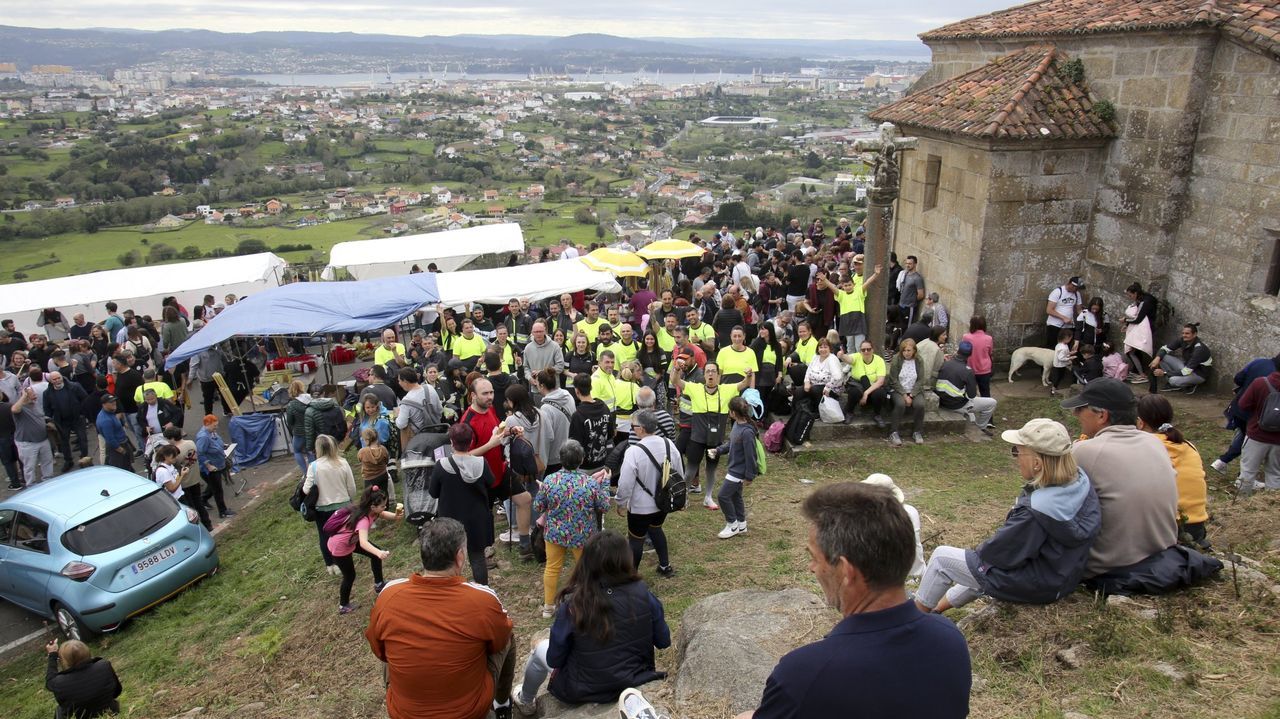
807,349
622,353
733,362
604,388
665,341
590,329
855,301
873,370
702,333
465,349
163,391
717,402
382,355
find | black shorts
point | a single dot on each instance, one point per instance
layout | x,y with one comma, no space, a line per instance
507,488
638,525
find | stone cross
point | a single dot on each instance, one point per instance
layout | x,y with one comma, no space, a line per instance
884,155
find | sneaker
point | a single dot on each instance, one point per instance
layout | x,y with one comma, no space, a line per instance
378,587
509,537
15,485
502,712
526,708
548,611
502,510
695,489
729,530
710,505
667,571
1219,466
227,514
1137,379
742,527
347,608
918,438
895,440
633,705
879,421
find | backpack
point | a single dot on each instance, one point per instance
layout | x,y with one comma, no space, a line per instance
773,436
800,424
1269,415
337,522
672,492
333,422
762,460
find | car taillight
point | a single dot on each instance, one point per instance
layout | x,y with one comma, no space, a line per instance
78,571
192,516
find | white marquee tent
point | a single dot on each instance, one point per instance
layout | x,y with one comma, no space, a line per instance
386,257
532,282
139,288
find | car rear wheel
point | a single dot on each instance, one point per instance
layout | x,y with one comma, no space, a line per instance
69,623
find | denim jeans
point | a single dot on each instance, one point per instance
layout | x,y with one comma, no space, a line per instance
300,455
947,574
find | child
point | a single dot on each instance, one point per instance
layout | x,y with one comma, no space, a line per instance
1090,365
373,459
165,474
353,537
1155,415
741,448
884,480
1113,363
1062,357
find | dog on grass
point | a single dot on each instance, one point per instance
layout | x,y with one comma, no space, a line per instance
1037,355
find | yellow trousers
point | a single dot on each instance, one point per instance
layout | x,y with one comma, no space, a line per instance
551,574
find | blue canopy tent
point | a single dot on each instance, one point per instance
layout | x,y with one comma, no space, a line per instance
308,308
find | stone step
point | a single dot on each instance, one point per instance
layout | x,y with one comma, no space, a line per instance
862,430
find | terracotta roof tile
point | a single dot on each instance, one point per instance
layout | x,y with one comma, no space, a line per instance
1253,22
1024,95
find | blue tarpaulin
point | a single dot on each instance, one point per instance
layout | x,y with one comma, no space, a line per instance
305,308
254,435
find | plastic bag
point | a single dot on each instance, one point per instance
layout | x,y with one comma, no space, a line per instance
829,411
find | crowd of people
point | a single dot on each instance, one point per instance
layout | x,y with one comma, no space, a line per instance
558,411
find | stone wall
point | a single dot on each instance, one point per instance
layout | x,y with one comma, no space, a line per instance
948,237
1232,220
1035,236
1188,195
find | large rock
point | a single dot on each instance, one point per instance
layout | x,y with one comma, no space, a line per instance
729,643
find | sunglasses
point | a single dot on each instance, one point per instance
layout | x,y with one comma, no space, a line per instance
1013,451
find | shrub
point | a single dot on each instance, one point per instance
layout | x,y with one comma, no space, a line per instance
129,259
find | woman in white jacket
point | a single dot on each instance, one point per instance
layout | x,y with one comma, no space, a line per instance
825,375
336,488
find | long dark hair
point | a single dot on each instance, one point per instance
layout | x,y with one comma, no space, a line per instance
771,343
522,403
1157,413
372,496
605,563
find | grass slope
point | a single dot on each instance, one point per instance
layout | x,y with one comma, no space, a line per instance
263,638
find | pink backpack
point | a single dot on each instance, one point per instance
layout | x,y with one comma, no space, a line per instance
773,436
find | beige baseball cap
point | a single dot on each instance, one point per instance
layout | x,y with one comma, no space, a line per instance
1044,436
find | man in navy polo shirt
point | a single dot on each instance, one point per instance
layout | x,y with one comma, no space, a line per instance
861,547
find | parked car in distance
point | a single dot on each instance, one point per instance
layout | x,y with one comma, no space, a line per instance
92,548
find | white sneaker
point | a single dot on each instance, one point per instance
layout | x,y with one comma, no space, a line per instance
633,705
710,503
895,440
741,527
508,537
729,530
919,438
1219,466
548,611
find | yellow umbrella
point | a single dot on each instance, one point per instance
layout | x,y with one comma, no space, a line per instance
670,250
617,262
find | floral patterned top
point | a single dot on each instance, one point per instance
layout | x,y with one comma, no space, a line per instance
570,499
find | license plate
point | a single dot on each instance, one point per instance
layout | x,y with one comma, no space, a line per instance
143,565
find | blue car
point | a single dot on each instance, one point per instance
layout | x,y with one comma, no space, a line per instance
92,548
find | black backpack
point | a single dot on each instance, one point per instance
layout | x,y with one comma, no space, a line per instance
800,424
333,422
672,492
1269,415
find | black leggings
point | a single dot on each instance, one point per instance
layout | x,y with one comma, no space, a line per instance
640,526
214,489
192,498
347,564
693,457
479,568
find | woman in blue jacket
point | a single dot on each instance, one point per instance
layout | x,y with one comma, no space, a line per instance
1038,556
606,626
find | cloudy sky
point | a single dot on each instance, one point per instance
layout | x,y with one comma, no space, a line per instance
826,19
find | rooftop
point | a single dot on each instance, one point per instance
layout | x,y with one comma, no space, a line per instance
1025,95
1253,22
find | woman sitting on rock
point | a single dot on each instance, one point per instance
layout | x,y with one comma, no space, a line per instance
1038,556
606,626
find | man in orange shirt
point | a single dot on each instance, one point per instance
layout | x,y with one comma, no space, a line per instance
447,643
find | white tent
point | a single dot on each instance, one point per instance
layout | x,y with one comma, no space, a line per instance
532,282
370,259
139,288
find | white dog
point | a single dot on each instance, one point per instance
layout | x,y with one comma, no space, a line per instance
1037,355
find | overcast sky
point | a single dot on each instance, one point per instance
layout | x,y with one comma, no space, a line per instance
789,19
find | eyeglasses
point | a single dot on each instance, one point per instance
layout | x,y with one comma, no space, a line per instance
1013,450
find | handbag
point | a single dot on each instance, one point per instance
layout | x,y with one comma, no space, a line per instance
829,410
538,543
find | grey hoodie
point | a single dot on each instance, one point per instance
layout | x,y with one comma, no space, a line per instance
540,356
470,469
562,400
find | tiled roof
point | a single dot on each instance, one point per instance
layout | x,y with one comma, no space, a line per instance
1254,22
1024,95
